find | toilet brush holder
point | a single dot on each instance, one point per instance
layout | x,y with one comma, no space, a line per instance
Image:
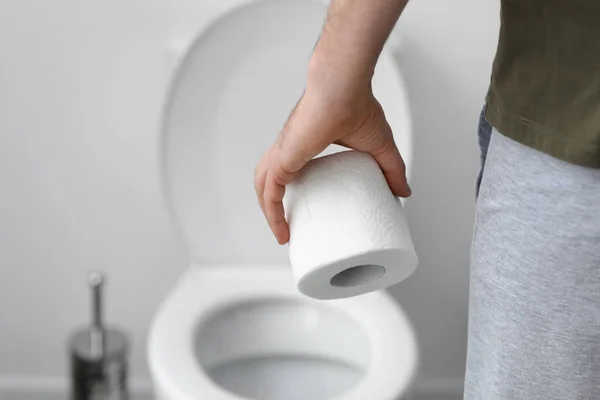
98,355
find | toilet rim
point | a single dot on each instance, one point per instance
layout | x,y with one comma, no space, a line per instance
392,342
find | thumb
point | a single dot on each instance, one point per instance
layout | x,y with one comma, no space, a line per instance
391,163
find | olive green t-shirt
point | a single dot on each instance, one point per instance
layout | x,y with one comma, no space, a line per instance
545,85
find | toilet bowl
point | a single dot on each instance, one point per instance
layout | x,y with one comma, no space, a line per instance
245,333
235,327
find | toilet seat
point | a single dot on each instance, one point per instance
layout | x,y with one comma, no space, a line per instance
390,336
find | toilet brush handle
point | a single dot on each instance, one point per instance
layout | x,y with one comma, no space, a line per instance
97,340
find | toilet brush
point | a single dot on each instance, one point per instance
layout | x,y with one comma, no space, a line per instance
98,355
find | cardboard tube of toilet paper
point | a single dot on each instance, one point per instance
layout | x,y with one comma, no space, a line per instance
348,233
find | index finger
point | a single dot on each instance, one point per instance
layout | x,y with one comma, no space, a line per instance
273,209
276,179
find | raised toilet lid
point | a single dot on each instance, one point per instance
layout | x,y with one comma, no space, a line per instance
228,100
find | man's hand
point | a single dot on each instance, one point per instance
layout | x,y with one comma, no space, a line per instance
316,122
338,106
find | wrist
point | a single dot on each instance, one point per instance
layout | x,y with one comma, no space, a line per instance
333,80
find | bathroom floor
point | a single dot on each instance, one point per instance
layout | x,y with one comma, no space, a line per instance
435,397
148,396
56,396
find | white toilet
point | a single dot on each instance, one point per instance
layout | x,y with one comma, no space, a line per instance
235,327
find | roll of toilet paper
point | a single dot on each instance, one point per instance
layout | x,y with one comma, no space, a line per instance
348,233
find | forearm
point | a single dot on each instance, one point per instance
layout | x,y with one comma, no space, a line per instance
352,39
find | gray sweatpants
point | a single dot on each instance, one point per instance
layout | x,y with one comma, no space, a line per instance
534,319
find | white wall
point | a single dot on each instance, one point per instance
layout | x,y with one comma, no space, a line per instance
446,61
81,85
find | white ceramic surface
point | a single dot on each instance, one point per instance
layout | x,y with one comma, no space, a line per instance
246,333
